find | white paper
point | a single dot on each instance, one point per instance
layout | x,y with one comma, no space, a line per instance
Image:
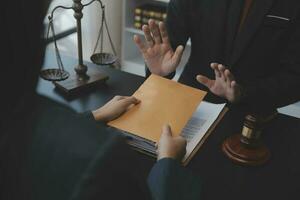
202,119
194,131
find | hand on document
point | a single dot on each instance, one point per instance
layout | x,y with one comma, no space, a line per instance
224,85
169,146
114,108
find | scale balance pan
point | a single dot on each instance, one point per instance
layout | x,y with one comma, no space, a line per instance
54,74
103,58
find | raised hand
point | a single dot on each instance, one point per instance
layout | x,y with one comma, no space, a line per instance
224,84
157,51
114,108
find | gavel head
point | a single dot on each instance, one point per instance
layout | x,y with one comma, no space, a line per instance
253,126
246,148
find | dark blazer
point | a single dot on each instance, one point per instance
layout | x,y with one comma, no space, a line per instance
47,151
55,153
264,56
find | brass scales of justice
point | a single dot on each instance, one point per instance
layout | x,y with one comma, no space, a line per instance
83,78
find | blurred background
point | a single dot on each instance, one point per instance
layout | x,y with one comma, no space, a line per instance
64,21
124,18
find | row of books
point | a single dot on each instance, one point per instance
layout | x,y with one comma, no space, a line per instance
143,13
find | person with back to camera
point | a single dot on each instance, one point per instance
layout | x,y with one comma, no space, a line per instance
47,151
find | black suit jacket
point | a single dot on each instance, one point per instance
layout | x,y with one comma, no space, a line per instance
264,56
53,153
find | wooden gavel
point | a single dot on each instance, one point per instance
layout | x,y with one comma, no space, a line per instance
247,148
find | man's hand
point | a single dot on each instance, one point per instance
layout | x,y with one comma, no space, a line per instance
169,146
157,52
224,85
114,108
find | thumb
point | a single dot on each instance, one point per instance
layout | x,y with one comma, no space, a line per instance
178,54
205,81
167,131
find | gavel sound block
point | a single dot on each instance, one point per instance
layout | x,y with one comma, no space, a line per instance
247,148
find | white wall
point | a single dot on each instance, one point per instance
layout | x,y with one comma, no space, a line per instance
90,26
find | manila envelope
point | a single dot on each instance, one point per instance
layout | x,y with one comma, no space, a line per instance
163,101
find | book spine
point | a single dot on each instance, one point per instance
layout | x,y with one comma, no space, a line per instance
137,18
143,14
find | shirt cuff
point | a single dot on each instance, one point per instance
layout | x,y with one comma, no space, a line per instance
170,76
89,115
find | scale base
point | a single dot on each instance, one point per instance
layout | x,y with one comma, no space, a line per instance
240,154
75,84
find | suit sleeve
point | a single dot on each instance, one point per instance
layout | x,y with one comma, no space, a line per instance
178,30
111,176
168,180
281,88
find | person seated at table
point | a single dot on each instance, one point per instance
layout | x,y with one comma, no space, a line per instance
47,151
244,51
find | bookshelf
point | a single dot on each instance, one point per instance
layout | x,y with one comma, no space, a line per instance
131,59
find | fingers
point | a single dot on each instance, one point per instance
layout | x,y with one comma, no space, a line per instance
127,101
164,34
169,146
229,77
221,69
148,36
154,34
155,31
177,55
214,66
140,44
223,73
205,81
233,84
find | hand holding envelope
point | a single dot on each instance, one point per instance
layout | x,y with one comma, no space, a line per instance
163,101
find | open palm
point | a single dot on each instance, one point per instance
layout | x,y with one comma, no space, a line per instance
224,85
157,51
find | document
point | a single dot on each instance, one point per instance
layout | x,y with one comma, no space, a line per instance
200,125
164,101
196,131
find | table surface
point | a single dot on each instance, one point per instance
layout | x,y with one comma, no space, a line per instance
278,179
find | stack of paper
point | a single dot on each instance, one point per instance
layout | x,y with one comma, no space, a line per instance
163,102
200,126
